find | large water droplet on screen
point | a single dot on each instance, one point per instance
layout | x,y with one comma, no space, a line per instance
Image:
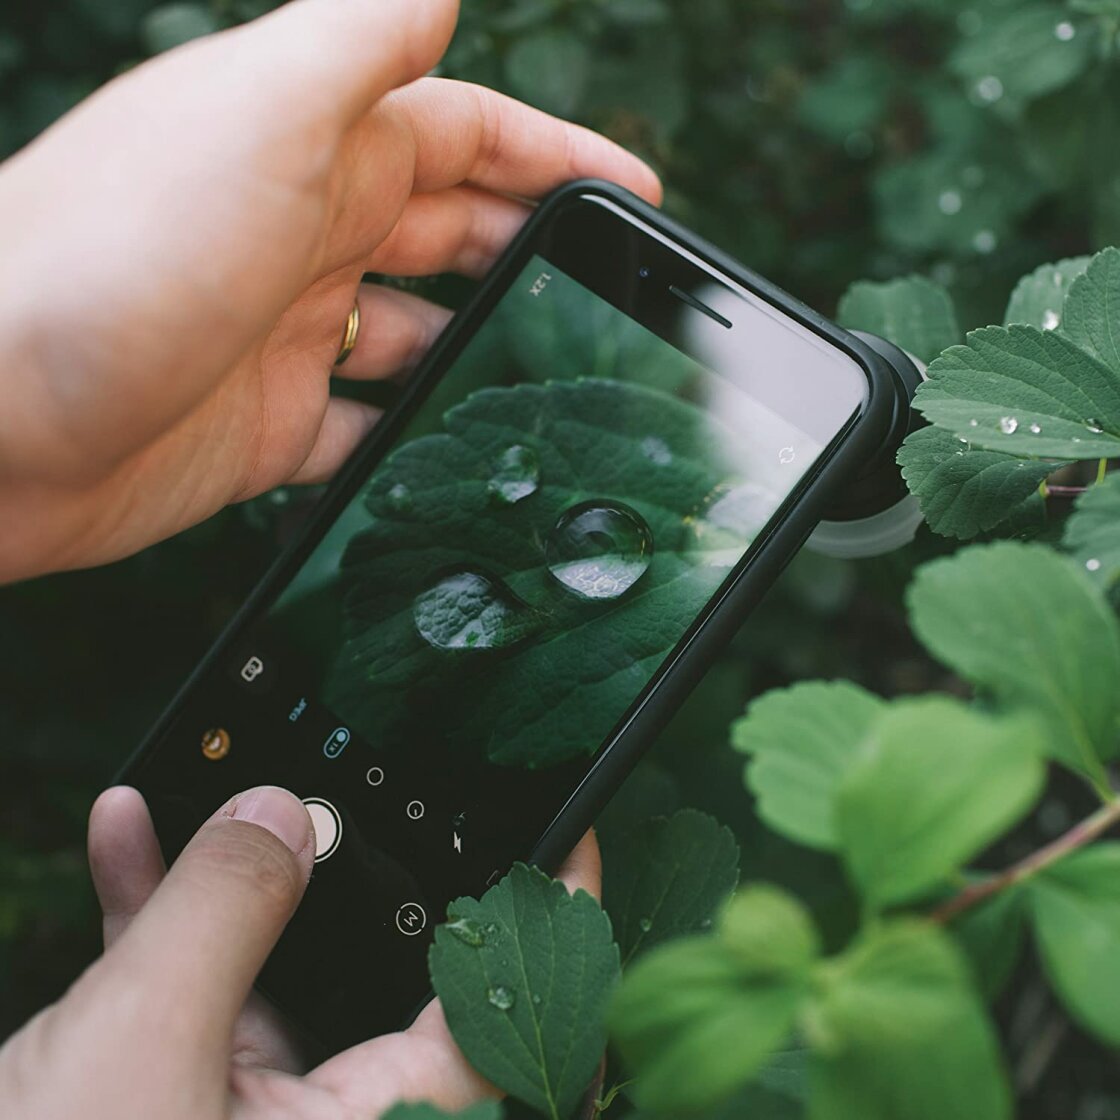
516,475
599,549
469,610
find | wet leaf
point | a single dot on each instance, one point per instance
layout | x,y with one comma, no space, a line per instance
1038,297
526,1005
1092,309
964,490
1092,533
666,878
1025,391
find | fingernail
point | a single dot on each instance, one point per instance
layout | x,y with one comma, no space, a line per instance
281,812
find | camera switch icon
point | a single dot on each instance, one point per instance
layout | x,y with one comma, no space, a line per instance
336,742
252,669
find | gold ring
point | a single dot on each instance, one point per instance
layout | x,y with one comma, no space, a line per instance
350,335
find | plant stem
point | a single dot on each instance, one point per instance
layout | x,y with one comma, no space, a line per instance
1049,491
1090,828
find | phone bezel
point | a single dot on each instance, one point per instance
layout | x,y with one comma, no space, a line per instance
861,437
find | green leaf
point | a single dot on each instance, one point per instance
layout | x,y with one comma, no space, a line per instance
768,932
173,24
1038,297
1025,391
549,69
422,1110
1092,533
1092,309
1029,628
991,936
1076,909
528,692
1021,50
939,784
899,1034
697,1018
912,312
964,490
525,976
802,740
851,95
666,878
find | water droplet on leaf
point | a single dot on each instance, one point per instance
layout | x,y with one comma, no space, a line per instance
984,241
1093,426
645,925
1035,429
536,999
1008,425
950,202
501,998
657,451
1050,319
516,475
988,89
469,610
599,549
468,931
1094,565
399,498
973,423
1064,31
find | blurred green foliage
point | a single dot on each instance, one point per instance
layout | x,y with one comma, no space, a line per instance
821,142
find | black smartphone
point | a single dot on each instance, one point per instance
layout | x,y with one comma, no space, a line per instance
603,463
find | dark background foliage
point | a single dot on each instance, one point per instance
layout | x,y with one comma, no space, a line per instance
821,142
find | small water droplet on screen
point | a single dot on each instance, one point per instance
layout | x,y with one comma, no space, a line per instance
516,475
501,998
1050,319
1008,425
950,202
599,549
1035,429
468,931
1094,565
399,498
468,610
645,925
1064,31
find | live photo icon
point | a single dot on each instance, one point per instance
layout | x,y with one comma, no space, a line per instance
252,669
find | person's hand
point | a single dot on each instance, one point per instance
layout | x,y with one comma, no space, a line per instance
181,253
164,1025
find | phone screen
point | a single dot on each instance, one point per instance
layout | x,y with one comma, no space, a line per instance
444,665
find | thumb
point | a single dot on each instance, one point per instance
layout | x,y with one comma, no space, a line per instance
192,953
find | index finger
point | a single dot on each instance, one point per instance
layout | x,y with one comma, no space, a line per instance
464,133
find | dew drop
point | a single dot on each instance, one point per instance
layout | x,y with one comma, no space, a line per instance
1094,565
501,998
950,202
973,423
469,610
536,999
984,241
1008,424
1050,319
1035,429
516,474
1064,31
468,931
1093,426
961,439
599,549
988,89
645,925
657,451
491,928
399,498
